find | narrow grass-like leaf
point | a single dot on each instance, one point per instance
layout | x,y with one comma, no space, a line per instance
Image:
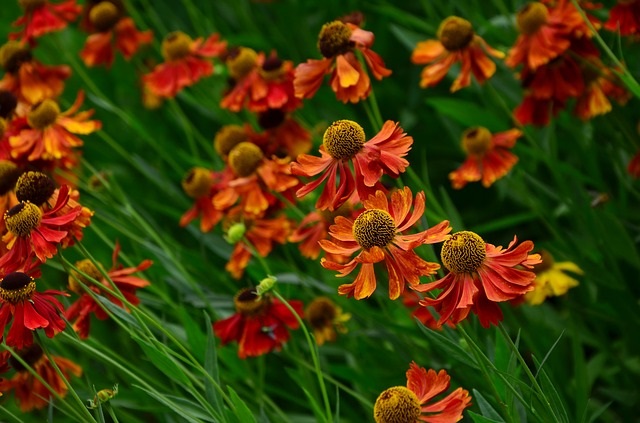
240,408
477,418
163,362
485,408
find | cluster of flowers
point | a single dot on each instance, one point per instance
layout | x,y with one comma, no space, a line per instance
41,213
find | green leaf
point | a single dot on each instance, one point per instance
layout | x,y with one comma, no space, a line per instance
240,408
163,362
488,412
448,346
467,113
477,418
211,367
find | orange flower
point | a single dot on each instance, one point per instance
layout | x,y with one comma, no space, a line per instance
30,392
337,42
282,135
545,33
50,134
79,313
258,82
457,42
600,85
624,17
106,21
184,63
325,318
481,275
29,80
344,142
409,405
377,237
411,300
488,156
41,17
201,184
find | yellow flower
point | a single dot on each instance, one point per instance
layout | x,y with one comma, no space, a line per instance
551,279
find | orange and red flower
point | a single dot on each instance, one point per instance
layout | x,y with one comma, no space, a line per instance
413,403
377,235
344,142
457,42
338,42
480,275
106,21
25,309
185,63
79,313
41,17
624,17
634,166
601,84
201,185
50,134
259,325
29,391
488,156
282,135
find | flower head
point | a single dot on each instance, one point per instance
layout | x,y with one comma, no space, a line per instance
488,156
282,136
325,317
338,42
377,235
185,63
344,142
480,275
633,168
41,17
410,404
25,309
259,324
457,42
624,17
29,391
201,185
551,279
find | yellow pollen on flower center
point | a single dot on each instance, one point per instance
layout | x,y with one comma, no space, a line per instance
228,137
44,114
397,405
455,33
343,139
31,4
374,228
248,303
87,267
12,55
463,252
334,39
244,158
197,183
176,45
17,287
104,15
476,141
531,17
321,313
23,218
35,187
241,61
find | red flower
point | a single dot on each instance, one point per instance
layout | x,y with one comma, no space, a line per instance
259,324
41,17
377,235
184,63
30,392
344,142
32,230
202,184
337,41
26,309
489,158
456,42
600,85
481,275
634,166
624,17
79,313
537,111
282,135
410,404
106,21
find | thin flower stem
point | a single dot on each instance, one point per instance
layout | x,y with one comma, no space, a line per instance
376,110
10,414
313,349
186,126
112,414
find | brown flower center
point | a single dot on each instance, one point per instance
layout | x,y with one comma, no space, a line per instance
374,228
271,118
17,287
334,39
31,4
244,158
35,187
12,55
228,137
8,103
397,405
455,33
343,139
43,114
547,262
241,61
87,267
321,312
9,174
30,355
249,303
476,141
104,15
23,218
463,252
176,45
531,17
272,68
198,182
